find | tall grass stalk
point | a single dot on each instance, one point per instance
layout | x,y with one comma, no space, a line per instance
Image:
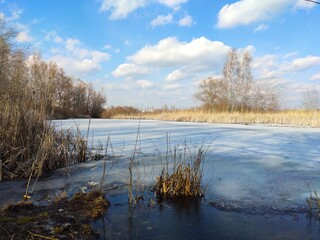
184,180
30,144
286,117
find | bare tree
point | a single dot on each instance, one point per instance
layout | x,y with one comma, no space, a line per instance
237,90
311,99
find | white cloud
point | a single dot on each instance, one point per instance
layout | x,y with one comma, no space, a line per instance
107,47
186,21
299,64
162,20
304,4
172,3
24,36
171,86
53,36
267,67
275,66
127,43
76,66
290,55
315,77
175,75
169,52
23,33
261,28
121,8
145,84
75,58
244,12
130,71
15,14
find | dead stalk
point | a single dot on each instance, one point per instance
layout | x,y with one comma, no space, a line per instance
0,170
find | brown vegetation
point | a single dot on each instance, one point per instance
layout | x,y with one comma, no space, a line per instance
119,110
32,92
297,118
184,180
237,90
64,219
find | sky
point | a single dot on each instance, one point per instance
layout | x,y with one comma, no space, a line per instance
151,53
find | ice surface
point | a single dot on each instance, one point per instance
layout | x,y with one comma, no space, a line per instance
249,166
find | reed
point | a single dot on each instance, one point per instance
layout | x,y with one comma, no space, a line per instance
30,143
313,201
184,180
298,118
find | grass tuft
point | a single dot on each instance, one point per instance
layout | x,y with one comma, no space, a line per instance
185,180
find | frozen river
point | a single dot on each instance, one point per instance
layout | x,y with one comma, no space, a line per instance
251,169
248,165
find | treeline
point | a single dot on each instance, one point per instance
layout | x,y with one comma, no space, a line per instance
48,88
114,111
33,91
43,86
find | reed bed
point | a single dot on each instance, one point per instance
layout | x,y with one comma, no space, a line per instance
184,180
31,146
297,118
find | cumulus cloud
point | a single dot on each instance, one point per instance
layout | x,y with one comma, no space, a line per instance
299,64
76,66
162,20
24,36
190,71
121,8
247,11
145,84
130,71
175,75
23,33
74,57
276,66
169,52
244,12
186,21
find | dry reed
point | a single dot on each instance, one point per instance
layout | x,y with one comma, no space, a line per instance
184,181
30,144
298,118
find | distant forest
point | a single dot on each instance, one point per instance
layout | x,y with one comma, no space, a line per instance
34,84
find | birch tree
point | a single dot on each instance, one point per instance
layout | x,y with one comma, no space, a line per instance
237,90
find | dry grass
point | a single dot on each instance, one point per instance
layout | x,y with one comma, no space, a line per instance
287,118
29,143
184,181
64,219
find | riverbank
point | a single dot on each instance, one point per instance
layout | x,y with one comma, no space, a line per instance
294,118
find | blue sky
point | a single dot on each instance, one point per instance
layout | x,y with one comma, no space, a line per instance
148,53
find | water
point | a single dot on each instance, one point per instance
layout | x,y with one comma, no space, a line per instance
255,177
198,220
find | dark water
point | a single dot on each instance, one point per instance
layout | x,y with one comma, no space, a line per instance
199,220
